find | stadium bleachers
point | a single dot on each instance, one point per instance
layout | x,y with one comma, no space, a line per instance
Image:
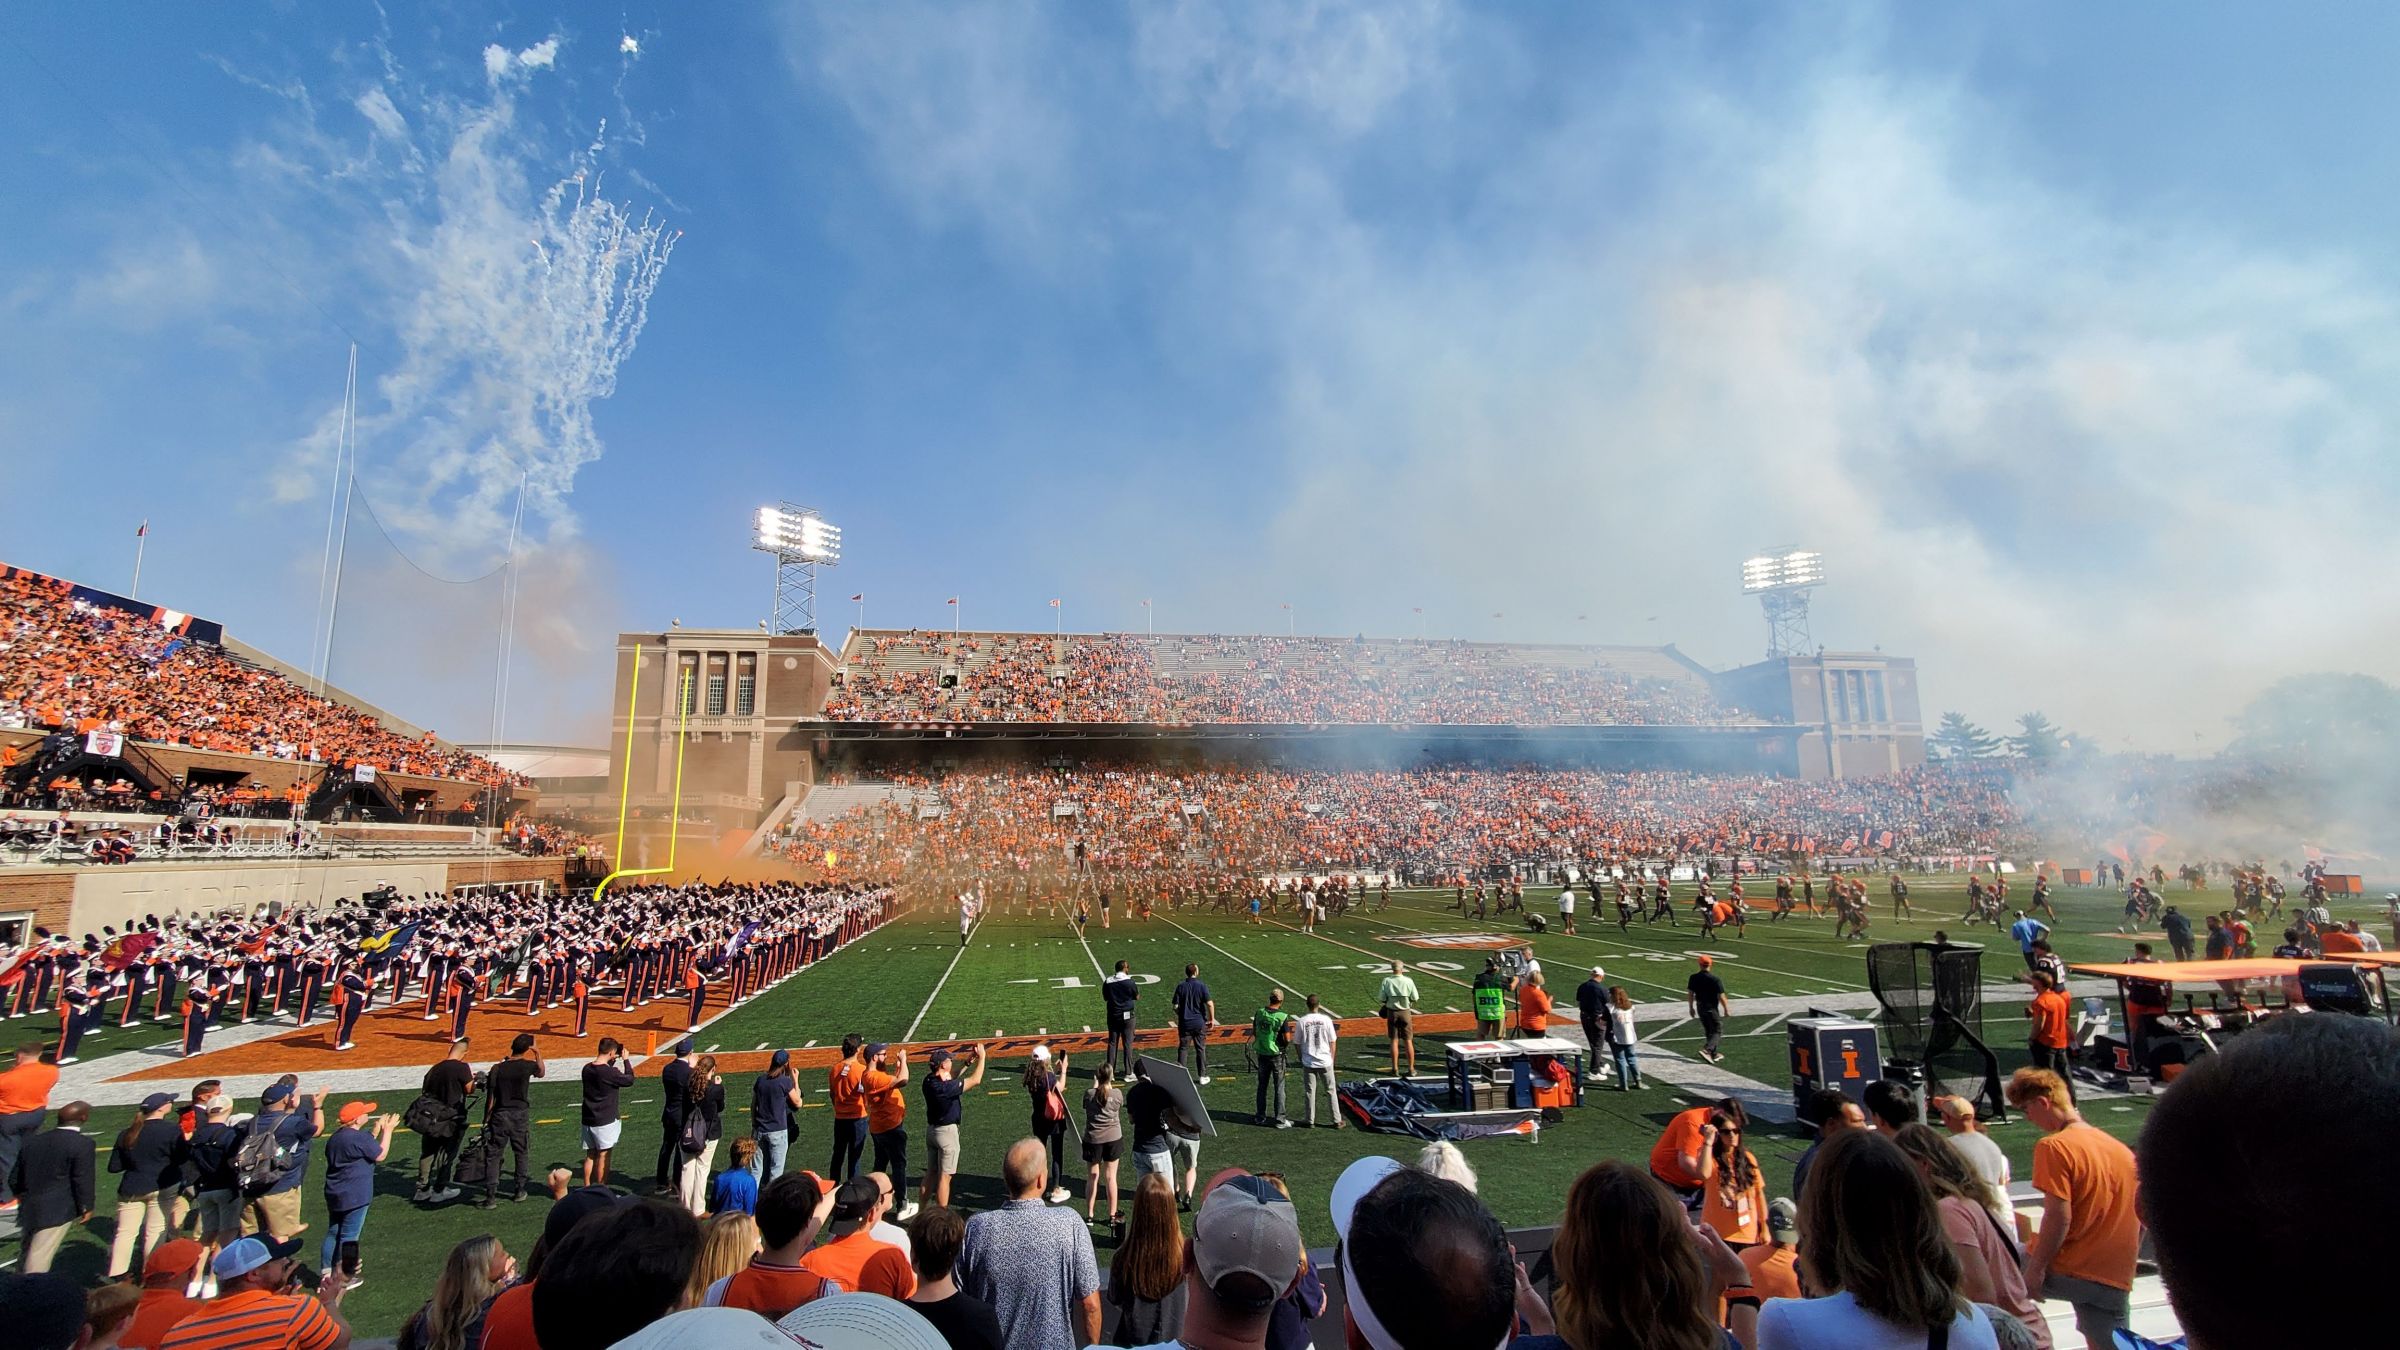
68,664
1186,679
1254,820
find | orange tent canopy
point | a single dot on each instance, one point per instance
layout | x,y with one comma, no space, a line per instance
2196,972
2366,958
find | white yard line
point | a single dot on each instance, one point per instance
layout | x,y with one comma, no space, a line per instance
910,1035
1271,980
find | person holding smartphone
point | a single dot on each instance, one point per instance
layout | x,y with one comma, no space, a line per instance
603,1079
350,1157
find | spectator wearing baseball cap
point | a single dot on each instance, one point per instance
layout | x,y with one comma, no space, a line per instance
1245,1256
276,1211
1774,1270
255,1308
856,1258
148,1157
945,1092
350,1157
166,1279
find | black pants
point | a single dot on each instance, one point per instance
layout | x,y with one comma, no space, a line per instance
1053,1134
1120,1033
670,1151
1712,1029
1196,1040
14,1131
511,1132
2055,1060
849,1148
891,1159
437,1159
1270,1082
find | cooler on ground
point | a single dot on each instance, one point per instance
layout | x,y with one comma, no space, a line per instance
1838,1052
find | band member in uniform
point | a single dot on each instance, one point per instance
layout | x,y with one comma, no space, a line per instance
351,1004
198,1004
79,1010
465,985
698,989
583,1005
312,985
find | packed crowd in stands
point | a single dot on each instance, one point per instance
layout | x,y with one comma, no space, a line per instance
1897,1233
538,838
1124,677
66,664
1152,824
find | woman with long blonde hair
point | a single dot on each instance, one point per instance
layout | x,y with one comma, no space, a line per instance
475,1270
1879,1272
1632,1274
727,1242
1990,1264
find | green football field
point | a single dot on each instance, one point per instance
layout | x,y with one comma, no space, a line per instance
1033,975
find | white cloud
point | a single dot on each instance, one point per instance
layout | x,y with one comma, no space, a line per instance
629,46
540,55
1663,319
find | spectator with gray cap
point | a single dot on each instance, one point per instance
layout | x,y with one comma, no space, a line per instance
276,1210
1244,1256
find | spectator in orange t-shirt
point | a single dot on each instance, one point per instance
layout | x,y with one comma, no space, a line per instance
1533,1005
2048,1041
845,1084
857,1260
24,1099
164,1276
1680,1157
885,1087
791,1211
2084,1253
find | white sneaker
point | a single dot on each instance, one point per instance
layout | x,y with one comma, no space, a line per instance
1205,1080
908,1212
1058,1194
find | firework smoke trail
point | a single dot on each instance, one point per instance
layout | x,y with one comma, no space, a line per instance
595,270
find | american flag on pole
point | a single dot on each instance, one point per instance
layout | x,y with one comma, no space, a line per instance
951,601
861,596
143,530
1054,604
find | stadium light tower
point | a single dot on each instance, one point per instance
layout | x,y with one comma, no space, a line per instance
801,541
1781,579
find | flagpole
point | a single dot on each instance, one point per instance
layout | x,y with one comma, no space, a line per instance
141,538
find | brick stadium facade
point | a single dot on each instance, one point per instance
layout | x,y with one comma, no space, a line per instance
756,736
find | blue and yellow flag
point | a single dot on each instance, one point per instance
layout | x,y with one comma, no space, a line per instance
387,944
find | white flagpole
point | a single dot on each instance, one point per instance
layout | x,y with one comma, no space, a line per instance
141,539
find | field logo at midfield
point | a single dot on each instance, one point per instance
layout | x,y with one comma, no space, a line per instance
1476,942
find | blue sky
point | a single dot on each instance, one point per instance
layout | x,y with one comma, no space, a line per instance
2066,331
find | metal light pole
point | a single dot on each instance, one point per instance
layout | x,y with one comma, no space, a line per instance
801,541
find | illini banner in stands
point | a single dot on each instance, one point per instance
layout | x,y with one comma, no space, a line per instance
174,621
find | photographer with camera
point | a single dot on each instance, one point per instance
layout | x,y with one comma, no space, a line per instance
508,1112
439,1116
603,1079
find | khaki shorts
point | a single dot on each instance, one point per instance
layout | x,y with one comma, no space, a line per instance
278,1213
1402,1022
220,1211
941,1153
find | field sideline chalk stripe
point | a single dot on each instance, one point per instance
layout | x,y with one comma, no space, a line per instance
911,1033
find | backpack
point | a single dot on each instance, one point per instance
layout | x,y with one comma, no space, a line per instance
263,1159
430,1118
694,1139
